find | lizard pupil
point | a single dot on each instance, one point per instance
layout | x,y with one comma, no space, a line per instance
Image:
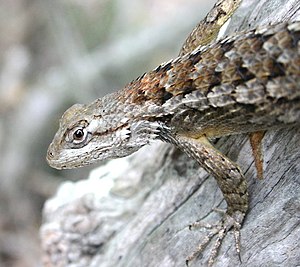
78,134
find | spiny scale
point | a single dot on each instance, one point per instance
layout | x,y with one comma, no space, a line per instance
246,81
258,54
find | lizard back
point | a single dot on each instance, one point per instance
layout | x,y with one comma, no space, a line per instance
243,83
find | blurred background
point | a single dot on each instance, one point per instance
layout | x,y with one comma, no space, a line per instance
54,53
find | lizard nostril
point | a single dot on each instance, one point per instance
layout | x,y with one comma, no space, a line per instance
50,154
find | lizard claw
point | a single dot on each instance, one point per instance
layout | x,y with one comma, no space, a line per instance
220,230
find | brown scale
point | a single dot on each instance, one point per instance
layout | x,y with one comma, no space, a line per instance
283,39
144,89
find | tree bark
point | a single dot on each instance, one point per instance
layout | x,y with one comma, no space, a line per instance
135,211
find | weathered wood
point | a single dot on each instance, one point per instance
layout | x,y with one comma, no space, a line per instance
138,213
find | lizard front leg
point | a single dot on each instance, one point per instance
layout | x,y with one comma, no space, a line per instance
232,183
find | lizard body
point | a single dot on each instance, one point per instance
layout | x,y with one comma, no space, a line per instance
245,83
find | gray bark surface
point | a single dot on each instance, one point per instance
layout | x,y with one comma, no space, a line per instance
135,211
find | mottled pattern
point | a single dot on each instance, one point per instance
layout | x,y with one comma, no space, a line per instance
250,77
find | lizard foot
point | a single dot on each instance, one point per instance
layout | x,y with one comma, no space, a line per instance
220,229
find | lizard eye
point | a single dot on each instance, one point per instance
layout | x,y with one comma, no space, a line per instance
78,135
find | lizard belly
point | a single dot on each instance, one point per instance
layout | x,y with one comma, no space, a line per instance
237,118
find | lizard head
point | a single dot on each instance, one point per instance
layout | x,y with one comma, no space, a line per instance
91,133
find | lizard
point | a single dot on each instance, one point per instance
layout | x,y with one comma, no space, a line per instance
245,83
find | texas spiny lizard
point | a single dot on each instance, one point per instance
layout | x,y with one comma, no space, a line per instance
246,83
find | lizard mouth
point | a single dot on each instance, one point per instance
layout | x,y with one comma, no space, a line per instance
69,164
55,160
